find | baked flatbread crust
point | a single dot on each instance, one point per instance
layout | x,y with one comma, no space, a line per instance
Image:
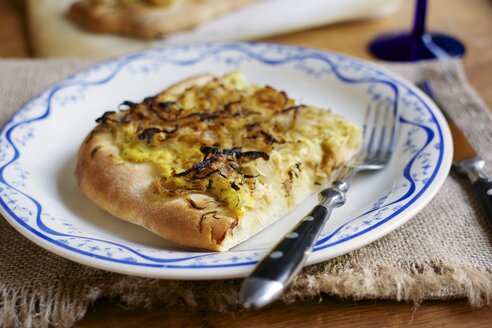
288,174
140,19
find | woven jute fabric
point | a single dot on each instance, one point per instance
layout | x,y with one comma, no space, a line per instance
444,252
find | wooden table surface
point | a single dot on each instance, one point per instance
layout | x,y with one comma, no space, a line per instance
471,21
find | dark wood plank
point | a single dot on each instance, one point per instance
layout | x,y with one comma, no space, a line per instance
332,312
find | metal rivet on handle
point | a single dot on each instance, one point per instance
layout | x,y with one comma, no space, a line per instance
293,235
276,255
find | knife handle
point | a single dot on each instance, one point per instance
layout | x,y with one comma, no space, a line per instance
483,188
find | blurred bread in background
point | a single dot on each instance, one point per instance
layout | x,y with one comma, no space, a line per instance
54,34
147,19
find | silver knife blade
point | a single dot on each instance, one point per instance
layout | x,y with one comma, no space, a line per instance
465,158
463,149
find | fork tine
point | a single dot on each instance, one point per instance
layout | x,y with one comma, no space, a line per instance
370,130
393,124
379,133
365,125
382,137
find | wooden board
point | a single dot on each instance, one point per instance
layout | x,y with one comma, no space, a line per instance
53,35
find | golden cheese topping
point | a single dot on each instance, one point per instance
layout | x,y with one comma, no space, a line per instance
230,140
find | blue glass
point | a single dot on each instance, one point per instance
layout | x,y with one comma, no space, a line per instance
418,44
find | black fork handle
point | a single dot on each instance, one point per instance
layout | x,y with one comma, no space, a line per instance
282,263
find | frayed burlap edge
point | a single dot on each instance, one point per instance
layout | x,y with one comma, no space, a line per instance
405,282
410,283
58,307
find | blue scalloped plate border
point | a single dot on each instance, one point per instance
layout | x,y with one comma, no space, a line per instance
426,147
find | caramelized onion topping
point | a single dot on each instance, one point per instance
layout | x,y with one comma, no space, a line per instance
212,155
230,126
106,117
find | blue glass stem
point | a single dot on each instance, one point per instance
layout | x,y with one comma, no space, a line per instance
418,29
417,44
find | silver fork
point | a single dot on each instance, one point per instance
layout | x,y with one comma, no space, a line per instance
282,263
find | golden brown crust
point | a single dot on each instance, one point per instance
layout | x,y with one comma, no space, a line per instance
144,21
123,189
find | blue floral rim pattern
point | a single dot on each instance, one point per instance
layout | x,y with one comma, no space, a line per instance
418,174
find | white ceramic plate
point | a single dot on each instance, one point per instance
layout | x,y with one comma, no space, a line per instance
40,198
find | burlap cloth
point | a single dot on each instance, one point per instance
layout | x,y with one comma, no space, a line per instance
444,252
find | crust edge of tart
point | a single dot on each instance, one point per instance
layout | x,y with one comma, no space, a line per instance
124,190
